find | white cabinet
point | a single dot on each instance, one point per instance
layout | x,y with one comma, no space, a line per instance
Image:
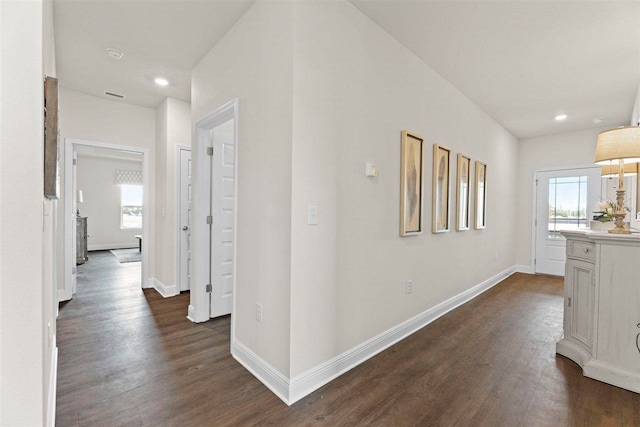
602,307
578,288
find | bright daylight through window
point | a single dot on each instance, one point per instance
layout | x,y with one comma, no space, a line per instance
130,207
567,205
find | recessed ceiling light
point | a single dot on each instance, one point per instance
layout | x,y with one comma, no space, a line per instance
560,117
161,82
114,53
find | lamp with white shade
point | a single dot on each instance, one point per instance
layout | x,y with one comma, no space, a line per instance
79,199
612,171
617,147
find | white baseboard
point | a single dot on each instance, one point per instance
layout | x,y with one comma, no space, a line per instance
307,382
109,246
290,391
267,374
164,290
191,315
615,375
527,269
573,351
53,386
62,296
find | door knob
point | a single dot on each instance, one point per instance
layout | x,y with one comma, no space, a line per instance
185,227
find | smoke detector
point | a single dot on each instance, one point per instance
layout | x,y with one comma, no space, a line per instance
114,53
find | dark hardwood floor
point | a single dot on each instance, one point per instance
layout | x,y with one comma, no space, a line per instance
129,357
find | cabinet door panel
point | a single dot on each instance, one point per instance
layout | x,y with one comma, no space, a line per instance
580,302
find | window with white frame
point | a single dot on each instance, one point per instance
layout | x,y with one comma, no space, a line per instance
130,207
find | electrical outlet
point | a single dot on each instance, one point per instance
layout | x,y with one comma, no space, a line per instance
409,287
259,312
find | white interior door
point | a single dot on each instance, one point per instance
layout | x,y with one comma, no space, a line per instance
74,233
184,222
565,200
222,211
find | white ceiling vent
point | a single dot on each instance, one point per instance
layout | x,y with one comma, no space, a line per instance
115,95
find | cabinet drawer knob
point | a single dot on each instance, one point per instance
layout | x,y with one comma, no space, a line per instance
586,251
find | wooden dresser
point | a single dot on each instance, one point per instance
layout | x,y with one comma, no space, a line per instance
81,240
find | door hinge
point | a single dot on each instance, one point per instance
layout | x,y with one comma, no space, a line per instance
535,260
568,302
209,219
209,151
209,288
75,162
536,222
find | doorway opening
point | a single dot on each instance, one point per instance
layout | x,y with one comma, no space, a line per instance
106,201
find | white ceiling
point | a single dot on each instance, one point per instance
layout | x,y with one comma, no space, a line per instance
158,37
524,62
521,61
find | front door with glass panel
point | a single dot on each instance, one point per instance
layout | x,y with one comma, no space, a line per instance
565,200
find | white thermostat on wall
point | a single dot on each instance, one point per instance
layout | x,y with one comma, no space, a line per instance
372,169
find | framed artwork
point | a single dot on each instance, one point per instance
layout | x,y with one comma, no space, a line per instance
481,195
411,168
440,222
51,176
463,185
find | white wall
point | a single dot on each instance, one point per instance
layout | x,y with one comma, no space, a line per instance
355,89
173,129
161,185
95,119
254,62
25,306
562,150
635,115
96,177
52,234
309,119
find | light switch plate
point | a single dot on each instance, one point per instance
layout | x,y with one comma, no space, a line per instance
259,312
312,216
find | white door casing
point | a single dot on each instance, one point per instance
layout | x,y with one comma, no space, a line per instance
69,259
222,211
185,205
550,246
74,222
200,300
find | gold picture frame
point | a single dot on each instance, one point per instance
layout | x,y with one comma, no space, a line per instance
463,191
440,194
51,159
480,199
411,169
